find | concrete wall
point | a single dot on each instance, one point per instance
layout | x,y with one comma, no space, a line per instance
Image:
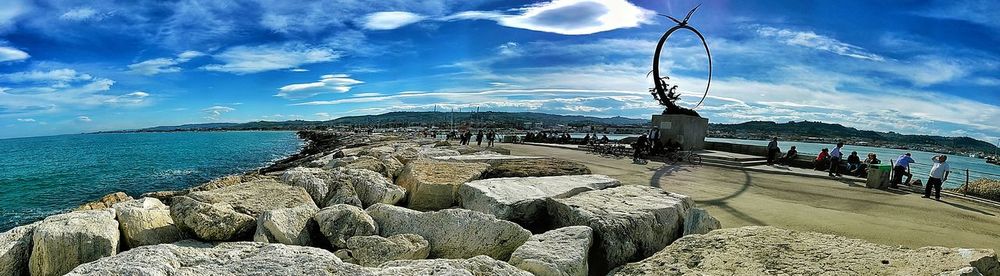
804,160
688,130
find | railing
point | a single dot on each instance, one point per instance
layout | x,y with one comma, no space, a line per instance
956,178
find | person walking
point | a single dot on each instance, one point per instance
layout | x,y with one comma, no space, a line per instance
900,169
479,138
490,137
938,175
772,151
835,157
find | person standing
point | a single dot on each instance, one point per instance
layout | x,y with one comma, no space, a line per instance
939,174
900,169
479,138
835,157
490,137
638,147
772,150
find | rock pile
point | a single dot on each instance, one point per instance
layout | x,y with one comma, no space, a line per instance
332,210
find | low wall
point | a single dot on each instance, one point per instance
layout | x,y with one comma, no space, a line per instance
801,161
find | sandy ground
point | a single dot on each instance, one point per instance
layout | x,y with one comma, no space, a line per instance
740,198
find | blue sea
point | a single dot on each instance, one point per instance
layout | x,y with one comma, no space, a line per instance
41,176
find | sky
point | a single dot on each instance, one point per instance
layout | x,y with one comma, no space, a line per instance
914,67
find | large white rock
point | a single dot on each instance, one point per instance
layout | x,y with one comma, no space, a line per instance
630,222
699,221
15,250
757,250
359,187
452,233
476,266
341,222
484,158
522,199
433,185
292,226
370,187
61,242
557,252
375,250
191,258
313,180
230,213
146,221
405,155
387,166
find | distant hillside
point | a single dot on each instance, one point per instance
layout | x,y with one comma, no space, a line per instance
406,119
806,131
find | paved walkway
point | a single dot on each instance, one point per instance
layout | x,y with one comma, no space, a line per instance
834,206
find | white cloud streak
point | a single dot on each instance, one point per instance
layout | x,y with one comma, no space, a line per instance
261,58
12,54
333,83
390,20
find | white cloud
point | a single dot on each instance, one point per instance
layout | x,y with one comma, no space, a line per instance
816,41
508,49
298,70
12,9
337,83
261,58
214,112
81,14
57,75
323,115
85,119
12,54
133,98
568,17
26,120
163,65
390,20
983,12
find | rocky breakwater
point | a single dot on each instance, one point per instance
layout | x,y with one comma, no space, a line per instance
381,205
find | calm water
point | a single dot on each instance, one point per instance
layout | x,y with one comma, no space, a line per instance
977,167
40,176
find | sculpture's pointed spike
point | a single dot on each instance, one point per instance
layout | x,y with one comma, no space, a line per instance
686,18
674,19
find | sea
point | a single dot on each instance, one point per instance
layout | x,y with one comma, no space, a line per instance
960,164
41,176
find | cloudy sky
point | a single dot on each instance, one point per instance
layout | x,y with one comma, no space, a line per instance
928,67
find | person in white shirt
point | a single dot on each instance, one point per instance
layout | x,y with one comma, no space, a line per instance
939,174
835,157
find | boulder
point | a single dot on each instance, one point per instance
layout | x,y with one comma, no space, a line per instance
230,258
340,222
699,221
534,167
433,185
313,180
213,222
165,197
484,158
375,250
630,222
452,233
230,213
292,226
61,242
522,199
760,250
15,250
146,221
405,155
105,202
388,167
557,252
358,187
324,160
476,266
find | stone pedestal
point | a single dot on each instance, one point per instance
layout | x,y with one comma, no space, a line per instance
688,130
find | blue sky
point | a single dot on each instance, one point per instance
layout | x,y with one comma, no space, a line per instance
927,67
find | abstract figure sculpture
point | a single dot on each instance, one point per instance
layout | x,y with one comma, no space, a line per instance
662,91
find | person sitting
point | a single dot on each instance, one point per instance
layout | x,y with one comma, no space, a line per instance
862,170
789,156
823,159
853,162
604,139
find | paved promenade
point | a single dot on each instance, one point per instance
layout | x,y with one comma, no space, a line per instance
841,207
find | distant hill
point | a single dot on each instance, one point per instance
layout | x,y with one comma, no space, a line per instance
406,119
818,131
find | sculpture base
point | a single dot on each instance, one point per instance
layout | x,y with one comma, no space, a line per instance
689,131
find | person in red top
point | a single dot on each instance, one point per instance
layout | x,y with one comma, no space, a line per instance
821,159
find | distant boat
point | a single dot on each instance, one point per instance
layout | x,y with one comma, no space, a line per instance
993,160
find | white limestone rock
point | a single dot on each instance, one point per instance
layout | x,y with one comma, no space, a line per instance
433,185
61,242
146,221
522,199
475,266
340,222
375,250
630,222
291,226
699,221
15,250
230,213
557,252
452,233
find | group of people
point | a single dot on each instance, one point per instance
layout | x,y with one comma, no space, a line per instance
834,162
465,137
940,170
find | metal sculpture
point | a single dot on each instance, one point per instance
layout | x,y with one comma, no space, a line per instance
665,94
